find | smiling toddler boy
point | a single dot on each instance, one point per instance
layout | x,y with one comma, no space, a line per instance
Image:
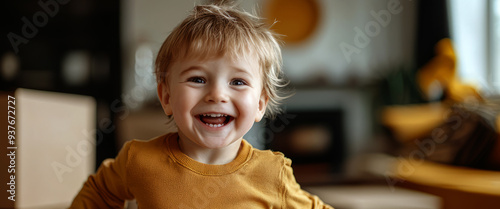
218,72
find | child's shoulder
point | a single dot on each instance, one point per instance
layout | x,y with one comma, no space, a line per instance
269,153
271,157
152,143
153,146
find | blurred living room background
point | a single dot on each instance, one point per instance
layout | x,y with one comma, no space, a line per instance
395,102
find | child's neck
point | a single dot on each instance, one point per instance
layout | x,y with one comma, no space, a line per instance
205,155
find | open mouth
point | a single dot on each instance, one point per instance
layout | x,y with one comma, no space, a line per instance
215,120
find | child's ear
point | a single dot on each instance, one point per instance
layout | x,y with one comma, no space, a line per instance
164,96
262,107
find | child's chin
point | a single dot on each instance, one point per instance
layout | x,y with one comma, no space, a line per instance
217,143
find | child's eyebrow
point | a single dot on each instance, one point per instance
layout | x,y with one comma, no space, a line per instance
239,70
189,69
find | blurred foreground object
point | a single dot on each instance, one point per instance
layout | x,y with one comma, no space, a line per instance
375,196
459,187
55,141
449,147
461,135
452,152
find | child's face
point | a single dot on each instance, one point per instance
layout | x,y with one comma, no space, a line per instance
214,102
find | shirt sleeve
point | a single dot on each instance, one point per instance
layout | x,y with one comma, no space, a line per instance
293,196
108,187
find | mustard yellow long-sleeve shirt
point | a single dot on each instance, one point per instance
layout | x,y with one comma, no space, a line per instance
158,175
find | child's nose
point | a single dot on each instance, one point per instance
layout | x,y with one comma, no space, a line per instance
216,94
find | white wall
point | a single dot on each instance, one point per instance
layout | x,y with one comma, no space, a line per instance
322,56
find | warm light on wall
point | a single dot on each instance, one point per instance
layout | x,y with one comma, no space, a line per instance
295,19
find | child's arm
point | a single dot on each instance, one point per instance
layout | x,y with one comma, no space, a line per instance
294,196
108,187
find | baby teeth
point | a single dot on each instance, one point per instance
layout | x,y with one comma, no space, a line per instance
214,125
214,115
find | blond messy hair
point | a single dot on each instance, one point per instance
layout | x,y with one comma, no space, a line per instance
222,30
